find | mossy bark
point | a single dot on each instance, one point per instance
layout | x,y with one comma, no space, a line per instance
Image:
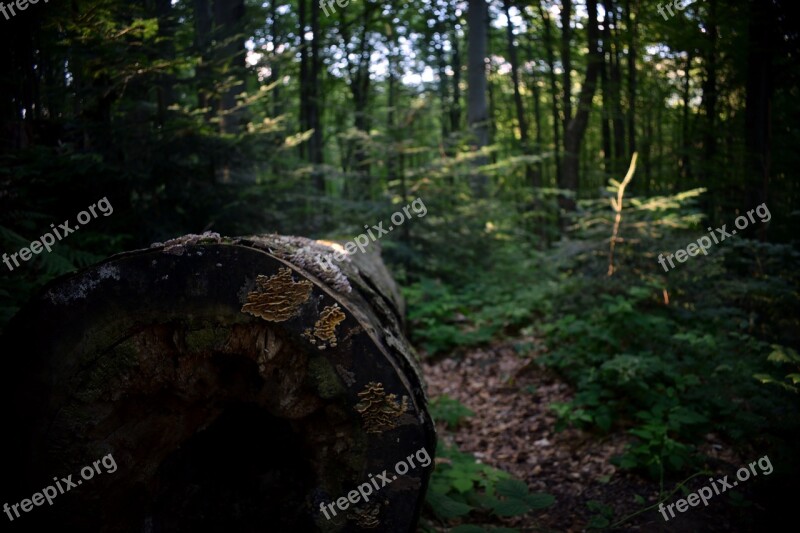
238,384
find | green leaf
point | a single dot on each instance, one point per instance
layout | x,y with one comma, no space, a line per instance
540,500
512,488
598,522
445,507
511,507
463,483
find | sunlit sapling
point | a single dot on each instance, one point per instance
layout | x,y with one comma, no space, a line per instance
329,3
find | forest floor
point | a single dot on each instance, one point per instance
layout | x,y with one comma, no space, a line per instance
513,429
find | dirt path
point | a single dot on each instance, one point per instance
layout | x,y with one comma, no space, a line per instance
513,429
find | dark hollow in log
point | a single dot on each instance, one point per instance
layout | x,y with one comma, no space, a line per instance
238,385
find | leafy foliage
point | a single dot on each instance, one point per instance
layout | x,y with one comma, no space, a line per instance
669,357
461,485
451,411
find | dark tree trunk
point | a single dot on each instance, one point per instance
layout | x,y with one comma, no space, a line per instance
455,109
359,85
557,120
566,60
573,136
632,24
477,109
166,32
620,157
233,382
686,142
531,175
710,96
605,118
758,113
228,18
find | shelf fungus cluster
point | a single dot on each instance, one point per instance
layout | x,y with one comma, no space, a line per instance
378,409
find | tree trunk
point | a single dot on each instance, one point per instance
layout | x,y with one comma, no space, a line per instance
710,98
548,42
573,136
477,108
605,116
686,143
620,157
234,382
566,60
531,176
359,85
758,103
455,109
632,26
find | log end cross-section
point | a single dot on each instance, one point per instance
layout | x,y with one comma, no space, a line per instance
235,385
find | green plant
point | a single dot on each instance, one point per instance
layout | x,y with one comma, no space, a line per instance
450,410
460,485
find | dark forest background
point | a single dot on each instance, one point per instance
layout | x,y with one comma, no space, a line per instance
515,123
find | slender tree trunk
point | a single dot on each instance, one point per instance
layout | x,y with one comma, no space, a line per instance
477,109
710,95
686,144
359,85
455,108
576,128
314,108
566,60
557,120
532,177
758,111
166,34
633,26
620,157
228,17
605,118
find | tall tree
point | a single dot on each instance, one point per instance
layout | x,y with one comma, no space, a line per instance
550,57
576,128
532,177
760,85
632,23
358,81
477,107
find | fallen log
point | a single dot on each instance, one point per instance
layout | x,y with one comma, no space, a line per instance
243,384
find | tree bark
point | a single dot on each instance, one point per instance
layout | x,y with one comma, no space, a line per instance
548,42
633,28
477,108
573,136
760,89
531,175
235,382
